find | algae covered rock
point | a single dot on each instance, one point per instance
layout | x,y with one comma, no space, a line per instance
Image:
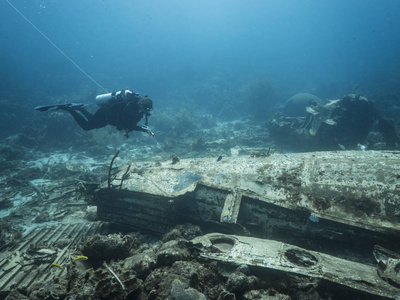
140,264
172,251
106,247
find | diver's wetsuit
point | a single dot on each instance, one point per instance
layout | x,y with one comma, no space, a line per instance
120,113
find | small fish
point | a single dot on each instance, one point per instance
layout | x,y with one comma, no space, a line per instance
57,265
219,158
175,159
342,147
80,257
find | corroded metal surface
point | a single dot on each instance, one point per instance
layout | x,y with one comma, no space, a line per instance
30,260
317,214
356,188
273,255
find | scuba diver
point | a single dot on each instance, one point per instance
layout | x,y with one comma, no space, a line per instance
122,109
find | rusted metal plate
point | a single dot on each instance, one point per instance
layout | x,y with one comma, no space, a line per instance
30,260
355,188
273,255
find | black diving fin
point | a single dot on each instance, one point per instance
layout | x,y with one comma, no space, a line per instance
58,106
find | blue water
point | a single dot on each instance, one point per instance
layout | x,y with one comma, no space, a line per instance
207,51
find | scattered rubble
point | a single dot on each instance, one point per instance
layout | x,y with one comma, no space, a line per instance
241,221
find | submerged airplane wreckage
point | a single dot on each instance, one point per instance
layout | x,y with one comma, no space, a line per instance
320,220
333,216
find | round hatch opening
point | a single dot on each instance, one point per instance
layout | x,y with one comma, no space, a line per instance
301,258
223,244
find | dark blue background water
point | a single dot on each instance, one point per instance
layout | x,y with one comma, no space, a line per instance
177,49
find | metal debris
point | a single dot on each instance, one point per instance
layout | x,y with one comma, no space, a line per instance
20,267
273,255
277,203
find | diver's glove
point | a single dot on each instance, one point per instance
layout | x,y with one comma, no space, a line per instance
147,130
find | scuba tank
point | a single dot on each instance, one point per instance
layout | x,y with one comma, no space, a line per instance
105,99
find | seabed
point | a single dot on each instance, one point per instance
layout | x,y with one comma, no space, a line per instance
231,222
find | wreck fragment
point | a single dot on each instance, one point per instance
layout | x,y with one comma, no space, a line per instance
356,189
273,255
317,214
